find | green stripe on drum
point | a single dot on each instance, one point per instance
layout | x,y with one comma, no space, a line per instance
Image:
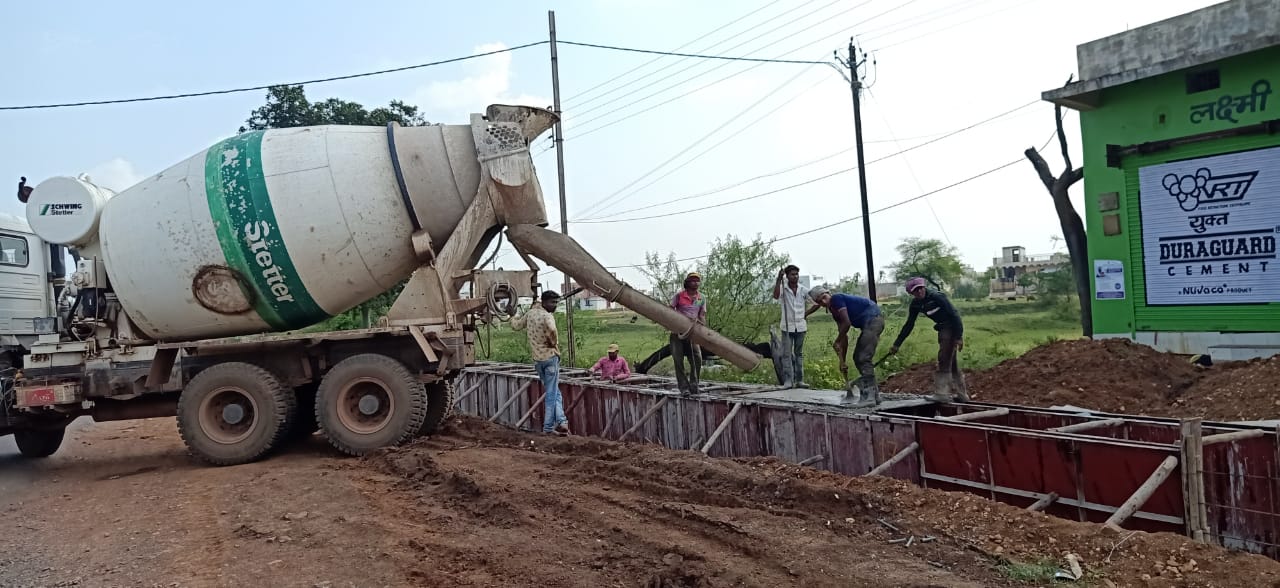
250,236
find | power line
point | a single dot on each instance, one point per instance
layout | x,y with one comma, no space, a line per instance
264,87
954,25
721,42
654,60
851,219
820,39
694,55
682,82
620,195
609,219
910,170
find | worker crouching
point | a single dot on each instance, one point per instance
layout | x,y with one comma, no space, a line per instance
948,381
854,311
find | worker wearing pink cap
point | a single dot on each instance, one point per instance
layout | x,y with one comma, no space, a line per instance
948,381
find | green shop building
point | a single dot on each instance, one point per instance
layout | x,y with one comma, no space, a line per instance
1181,128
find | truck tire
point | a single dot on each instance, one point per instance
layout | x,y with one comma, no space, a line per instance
39,443
440,397
369,401
234,413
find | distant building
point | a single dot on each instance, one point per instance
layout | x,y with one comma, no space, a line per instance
588,299
1013,263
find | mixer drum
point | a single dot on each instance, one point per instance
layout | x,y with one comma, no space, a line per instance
277,230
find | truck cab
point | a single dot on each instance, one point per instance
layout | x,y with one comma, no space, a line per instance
26,296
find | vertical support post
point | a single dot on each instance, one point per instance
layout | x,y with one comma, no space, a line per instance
855,86
571,351
1195,513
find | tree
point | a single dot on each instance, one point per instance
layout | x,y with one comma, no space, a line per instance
931,259
287,106
1052,283
737,279
665,275
850,284
1072,226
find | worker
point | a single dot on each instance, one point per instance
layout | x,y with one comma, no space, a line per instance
612,367
946,321
544,345
851,310
690,302
793,325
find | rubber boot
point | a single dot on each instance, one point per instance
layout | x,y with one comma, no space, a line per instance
868,393
942,387
962,389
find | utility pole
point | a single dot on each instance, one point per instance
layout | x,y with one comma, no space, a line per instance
564,211
853,63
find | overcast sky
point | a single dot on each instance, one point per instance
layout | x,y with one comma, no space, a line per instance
665,138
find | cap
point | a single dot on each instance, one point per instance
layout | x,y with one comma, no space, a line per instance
816,292
612,347
550,295
693,275
914,283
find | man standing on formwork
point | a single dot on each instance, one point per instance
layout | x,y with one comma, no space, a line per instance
946,321
793,326
544,345
691,303
851,310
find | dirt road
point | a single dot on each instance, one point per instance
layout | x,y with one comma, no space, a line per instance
121,505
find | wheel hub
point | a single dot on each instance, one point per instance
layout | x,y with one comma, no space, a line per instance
228,415
369,405
365,405
233,414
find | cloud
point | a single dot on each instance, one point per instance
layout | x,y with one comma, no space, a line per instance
117,174
487,81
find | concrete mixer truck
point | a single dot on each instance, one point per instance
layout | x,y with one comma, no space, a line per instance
193,288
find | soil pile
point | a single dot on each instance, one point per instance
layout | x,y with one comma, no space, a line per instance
587,512
1234,392
1117,375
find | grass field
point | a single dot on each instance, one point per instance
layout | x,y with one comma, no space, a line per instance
994,331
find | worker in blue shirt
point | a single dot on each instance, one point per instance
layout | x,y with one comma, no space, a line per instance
851,310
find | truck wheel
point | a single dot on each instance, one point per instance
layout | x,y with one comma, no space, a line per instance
369,401
234,413
440,397
38,443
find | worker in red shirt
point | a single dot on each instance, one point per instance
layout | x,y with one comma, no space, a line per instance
612,367
689,302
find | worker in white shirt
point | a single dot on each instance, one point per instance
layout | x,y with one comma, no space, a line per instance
794,327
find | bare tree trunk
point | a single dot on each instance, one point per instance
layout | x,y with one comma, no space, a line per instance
1073,230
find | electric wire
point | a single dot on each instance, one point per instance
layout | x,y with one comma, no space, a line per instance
691,66
608,219
266,86
580,113
879,210
656,59
623,193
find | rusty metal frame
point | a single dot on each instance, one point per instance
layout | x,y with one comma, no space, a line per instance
853,442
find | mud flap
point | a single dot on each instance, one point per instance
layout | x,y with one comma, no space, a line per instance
776,353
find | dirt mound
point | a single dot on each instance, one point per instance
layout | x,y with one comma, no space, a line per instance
1234,392
588,512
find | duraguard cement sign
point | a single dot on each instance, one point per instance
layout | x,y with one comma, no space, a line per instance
1209,229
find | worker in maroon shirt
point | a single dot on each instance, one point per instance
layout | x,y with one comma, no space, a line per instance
948,381
689,302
